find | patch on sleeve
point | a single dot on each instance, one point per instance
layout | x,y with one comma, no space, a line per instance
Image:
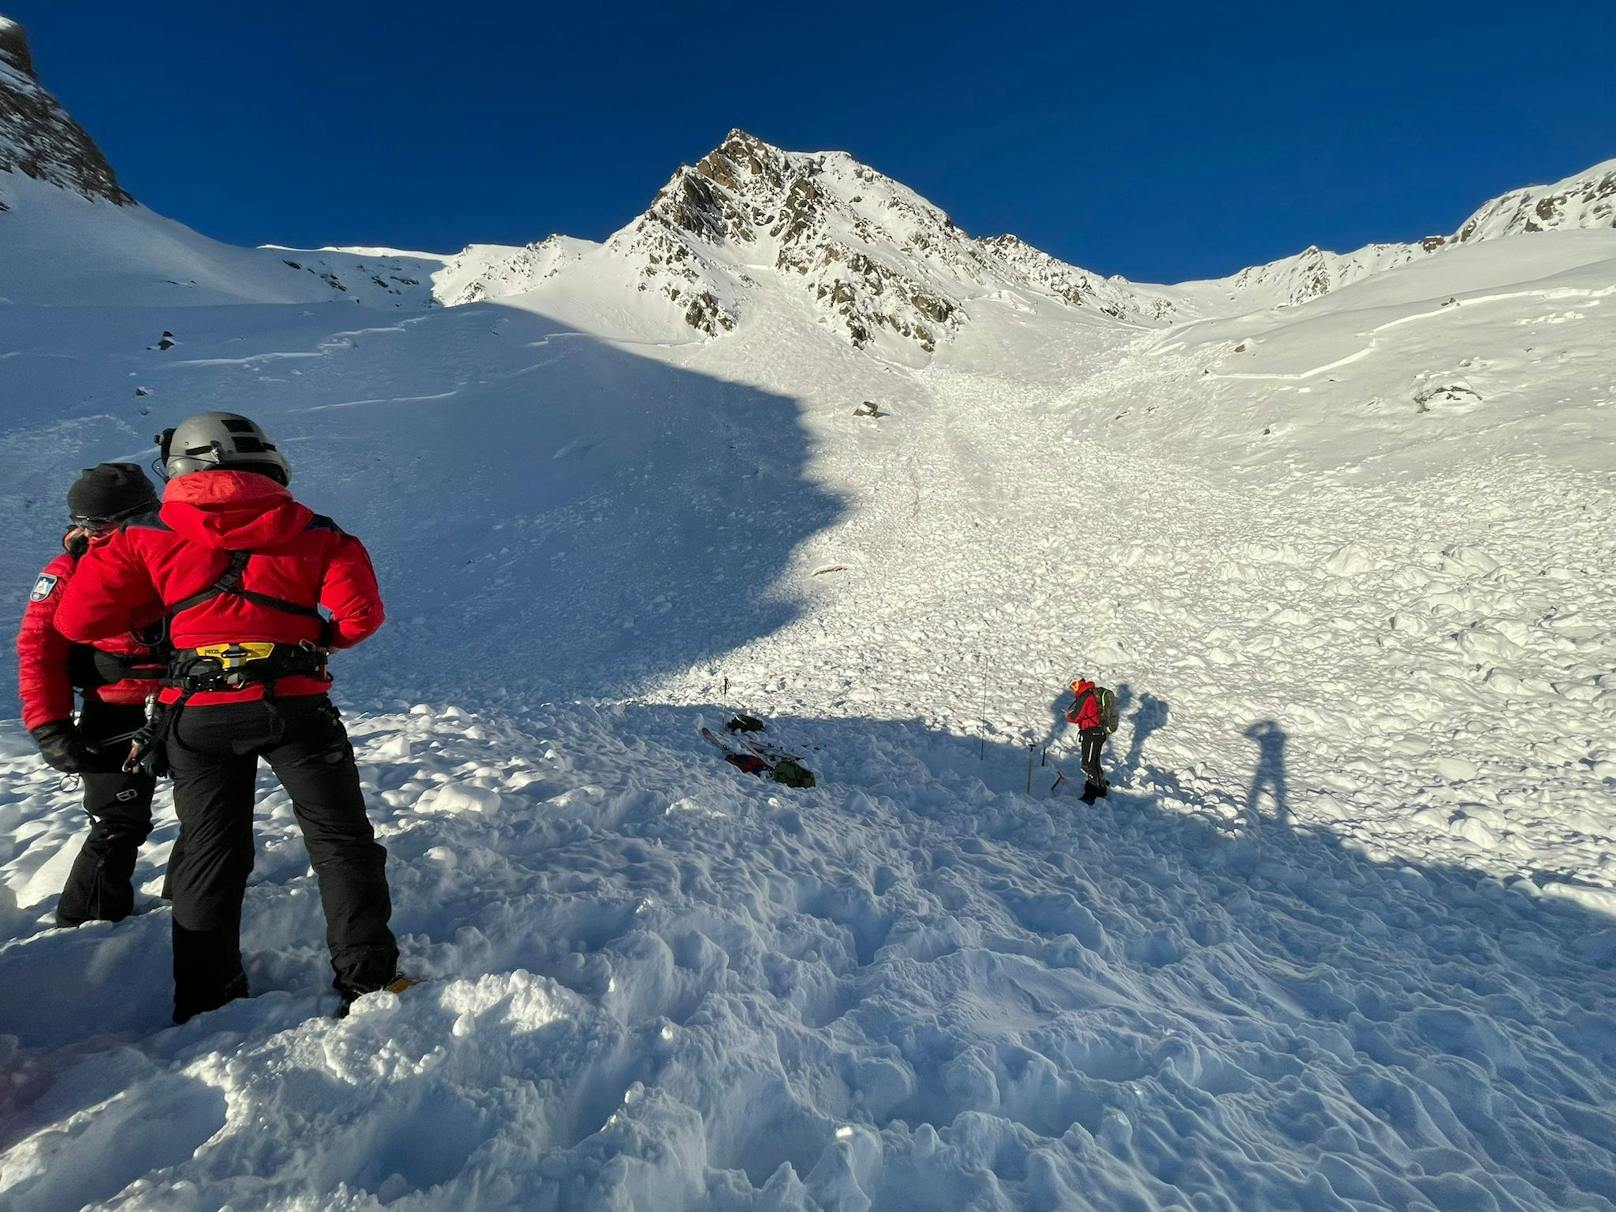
44,587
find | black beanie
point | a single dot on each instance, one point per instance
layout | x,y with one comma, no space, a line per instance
110,490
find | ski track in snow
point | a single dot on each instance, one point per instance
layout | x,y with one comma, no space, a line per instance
1340,938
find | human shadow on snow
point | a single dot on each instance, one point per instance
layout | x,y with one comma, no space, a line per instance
1150,716
1268,779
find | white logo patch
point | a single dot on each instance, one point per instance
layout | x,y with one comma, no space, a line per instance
44,587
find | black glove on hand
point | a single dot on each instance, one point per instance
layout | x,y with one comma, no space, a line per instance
61,745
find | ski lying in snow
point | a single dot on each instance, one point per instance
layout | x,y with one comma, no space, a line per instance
764,749
736,741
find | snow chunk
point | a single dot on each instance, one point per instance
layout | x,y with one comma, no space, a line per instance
461,797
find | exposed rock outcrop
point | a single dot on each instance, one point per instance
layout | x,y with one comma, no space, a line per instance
37,136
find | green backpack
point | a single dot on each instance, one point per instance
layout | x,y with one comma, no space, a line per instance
1109,715
1106,699
792,774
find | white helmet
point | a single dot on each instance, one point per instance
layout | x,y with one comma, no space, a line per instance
220,439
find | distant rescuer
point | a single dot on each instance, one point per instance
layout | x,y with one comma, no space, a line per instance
115,677
234,572
1090,711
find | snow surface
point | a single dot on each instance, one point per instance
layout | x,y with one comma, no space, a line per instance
65,250
1341,938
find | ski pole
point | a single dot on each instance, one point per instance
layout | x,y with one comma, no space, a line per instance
1031,745
982,753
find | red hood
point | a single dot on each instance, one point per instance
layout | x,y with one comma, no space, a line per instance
233,510
1082,685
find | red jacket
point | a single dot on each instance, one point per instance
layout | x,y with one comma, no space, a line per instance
48,663
1085,709
159,560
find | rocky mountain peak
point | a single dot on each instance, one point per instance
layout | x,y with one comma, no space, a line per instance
38,138
877,261
1584,200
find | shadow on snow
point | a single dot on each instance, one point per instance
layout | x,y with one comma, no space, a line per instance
1385,1025
549,513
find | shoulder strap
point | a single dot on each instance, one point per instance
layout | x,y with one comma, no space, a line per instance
229,582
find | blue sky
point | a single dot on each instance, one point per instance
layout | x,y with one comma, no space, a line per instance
1161,141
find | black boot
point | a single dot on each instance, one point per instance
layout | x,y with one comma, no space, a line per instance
199,1004
350,995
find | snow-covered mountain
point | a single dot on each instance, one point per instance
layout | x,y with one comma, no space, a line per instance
884,268
1340,939
869,258
1583,200
1295,279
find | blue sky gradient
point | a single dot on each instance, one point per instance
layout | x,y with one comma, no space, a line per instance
1164,142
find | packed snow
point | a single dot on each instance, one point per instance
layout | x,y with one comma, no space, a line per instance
1340,938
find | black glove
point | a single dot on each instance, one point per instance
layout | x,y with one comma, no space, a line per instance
61,745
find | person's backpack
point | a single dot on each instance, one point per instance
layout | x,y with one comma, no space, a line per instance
1106,699
1110,716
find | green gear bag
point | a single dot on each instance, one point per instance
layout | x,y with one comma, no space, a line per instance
792,774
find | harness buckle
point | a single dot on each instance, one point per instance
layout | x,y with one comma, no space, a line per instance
236,655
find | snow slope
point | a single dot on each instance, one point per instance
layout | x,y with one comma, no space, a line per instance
1340,938
1342,934
65,250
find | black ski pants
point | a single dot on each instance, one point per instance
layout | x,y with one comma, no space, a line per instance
100,884
1091,741
213,753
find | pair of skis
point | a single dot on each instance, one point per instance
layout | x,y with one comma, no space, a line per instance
747,753
741,743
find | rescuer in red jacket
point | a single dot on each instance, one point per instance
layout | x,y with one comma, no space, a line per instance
251,590
1088,713
115,677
